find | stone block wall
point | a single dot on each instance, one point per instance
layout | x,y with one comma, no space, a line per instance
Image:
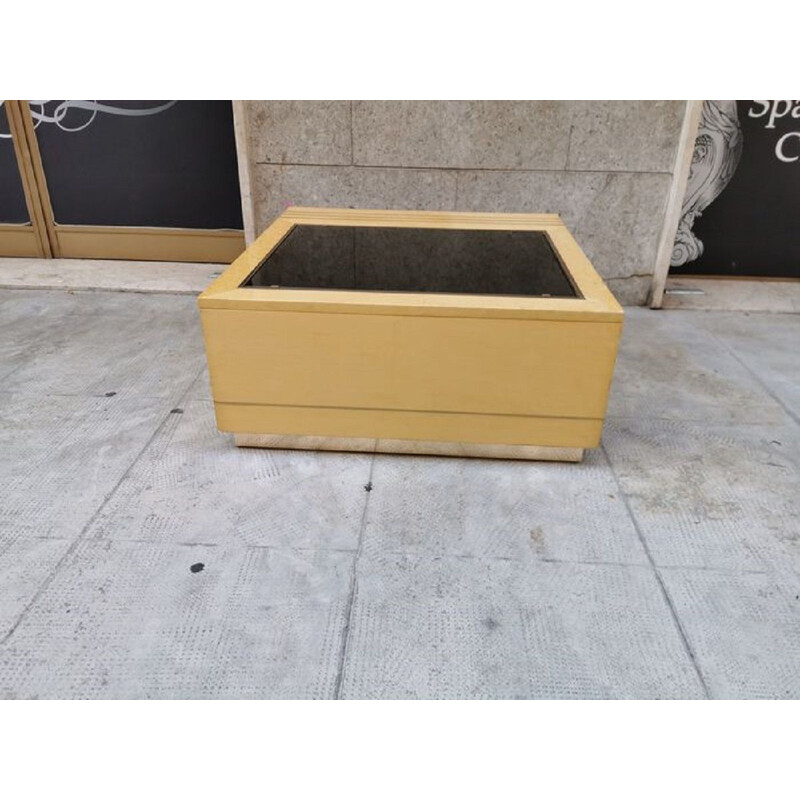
606,167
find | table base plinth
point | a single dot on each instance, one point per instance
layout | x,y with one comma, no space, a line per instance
409,447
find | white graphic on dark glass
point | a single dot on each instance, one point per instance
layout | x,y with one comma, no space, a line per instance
72,116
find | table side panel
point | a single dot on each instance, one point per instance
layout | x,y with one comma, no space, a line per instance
411,363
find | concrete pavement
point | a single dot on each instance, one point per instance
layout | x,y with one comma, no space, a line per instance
143,556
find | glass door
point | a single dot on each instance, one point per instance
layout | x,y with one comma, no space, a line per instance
140,180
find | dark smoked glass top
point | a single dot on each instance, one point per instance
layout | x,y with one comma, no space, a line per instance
415,260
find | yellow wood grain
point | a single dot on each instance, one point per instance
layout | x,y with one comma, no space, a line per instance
149,244
402,304
19,241
431,426
497,366
435,367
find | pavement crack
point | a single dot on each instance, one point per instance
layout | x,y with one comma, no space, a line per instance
81,537
662,586
351,598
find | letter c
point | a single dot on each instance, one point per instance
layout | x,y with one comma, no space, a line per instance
779,147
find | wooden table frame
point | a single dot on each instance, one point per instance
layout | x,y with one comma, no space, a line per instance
474,375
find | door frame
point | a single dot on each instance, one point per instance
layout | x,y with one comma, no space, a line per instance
101,241
677,190
29,239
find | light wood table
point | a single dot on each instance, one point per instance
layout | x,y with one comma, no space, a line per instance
413,332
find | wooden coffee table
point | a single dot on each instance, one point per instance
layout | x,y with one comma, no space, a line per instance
413,332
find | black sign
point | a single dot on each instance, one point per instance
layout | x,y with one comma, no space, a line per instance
742,206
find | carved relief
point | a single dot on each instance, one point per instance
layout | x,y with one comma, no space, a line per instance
717,150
